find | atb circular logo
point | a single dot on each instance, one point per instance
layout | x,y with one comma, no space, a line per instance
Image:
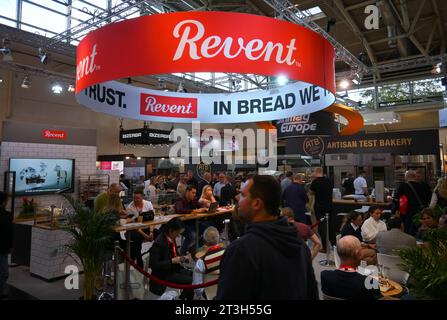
313,146
202,168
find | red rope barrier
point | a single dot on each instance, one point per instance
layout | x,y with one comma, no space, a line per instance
165,283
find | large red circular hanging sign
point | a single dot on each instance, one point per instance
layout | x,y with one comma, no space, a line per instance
205,42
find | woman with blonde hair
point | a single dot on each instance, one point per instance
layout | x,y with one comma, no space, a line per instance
439,196
115,205
207,197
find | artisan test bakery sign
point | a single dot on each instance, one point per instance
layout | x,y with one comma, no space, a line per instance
196,42
411,142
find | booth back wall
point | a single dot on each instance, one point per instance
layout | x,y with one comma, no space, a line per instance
24,145
84,156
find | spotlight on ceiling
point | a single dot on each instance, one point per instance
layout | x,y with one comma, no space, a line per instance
71,88
282,80
43,56
138,158
26,82
6,50
127,158
344,84
437,69
57,88
1,79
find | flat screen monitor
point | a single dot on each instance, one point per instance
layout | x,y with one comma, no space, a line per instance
42,176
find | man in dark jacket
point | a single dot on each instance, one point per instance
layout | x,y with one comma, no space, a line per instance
295,197
191,180
206,180
227,193
418,196
5,242
346,283
164,260
321,187
270,261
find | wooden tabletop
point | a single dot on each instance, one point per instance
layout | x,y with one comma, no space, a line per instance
364,203
159,220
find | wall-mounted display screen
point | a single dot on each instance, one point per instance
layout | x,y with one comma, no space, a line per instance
42,176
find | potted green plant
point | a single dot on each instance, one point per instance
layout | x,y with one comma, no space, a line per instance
92,241
427,266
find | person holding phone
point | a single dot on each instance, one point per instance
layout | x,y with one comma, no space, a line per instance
134,210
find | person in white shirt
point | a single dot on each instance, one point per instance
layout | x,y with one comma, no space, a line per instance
138,205
134,210
149,189
360,185
218,186
373,225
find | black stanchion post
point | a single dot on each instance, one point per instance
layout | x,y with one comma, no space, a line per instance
115,271
127,272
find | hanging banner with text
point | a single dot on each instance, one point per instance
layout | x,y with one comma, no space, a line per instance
196,42
411,142
127,101
145,136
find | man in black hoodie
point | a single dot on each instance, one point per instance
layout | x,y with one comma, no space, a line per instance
270,261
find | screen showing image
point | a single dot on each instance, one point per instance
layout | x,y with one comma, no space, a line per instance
42,176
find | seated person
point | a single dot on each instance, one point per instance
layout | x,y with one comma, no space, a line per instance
346,282
394,239
373,225
164,260
134,209
428,222
208,262
303,230
207,197
353,228
100,202
188,205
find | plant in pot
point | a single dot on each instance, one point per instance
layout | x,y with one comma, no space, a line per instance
28,208
427,266
92,240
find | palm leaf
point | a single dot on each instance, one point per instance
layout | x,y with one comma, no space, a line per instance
428,266
91,236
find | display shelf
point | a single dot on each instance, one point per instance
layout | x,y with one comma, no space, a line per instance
92,185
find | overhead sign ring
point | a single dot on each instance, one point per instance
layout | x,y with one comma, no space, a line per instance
196,42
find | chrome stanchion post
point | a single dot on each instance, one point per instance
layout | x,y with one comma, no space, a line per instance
115,270
226,222
327,262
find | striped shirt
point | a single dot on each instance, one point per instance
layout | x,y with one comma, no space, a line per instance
212,258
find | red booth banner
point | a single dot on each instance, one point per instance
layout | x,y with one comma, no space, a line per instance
197,42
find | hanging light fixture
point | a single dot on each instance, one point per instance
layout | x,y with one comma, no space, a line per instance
57,88
26,83
43,56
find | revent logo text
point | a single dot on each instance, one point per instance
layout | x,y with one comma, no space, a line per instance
163,106
86,65
191,32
